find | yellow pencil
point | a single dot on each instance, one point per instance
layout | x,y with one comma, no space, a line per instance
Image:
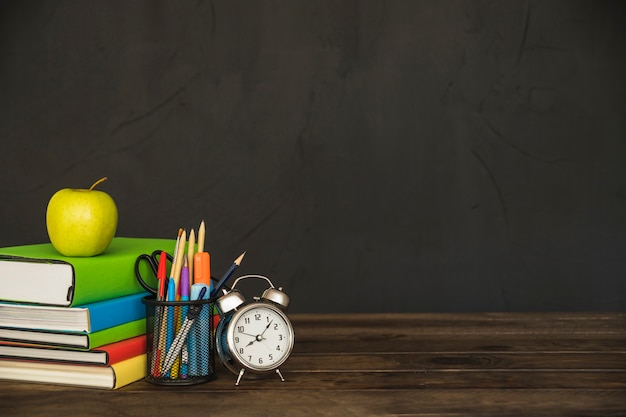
191,250
201,234
175,257
178,262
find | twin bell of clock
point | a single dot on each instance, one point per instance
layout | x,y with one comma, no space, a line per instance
256,337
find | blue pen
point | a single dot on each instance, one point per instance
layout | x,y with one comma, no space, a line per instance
171,296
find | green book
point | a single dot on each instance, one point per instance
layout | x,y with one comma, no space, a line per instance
80,340
39,274
116,333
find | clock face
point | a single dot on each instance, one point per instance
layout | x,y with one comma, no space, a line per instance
260,337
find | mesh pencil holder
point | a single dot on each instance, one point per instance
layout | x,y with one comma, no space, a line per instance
180,345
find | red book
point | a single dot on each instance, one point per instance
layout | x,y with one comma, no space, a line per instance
103,355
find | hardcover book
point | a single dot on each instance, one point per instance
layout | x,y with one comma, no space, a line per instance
88,318
104,355
111,377
39,274
75,339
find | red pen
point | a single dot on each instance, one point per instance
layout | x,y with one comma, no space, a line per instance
162,275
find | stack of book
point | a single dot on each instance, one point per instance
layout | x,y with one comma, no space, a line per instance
74,321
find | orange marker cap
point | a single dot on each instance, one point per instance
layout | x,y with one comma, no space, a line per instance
202,268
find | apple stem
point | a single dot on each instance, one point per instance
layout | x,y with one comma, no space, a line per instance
97,182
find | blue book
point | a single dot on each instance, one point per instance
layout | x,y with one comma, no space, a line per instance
89,318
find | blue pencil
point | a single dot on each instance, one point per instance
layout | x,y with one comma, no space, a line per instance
227,275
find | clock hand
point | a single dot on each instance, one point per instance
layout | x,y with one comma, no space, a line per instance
266,327
258,337
255,338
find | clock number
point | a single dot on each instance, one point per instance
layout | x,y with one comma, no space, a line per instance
247,320
276,326
260,361
241,350
280,337
257,316
271,357
240,329
278,348
236,339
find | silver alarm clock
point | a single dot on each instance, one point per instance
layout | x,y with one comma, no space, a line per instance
255,337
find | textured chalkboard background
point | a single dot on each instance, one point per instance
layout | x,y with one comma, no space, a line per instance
369,155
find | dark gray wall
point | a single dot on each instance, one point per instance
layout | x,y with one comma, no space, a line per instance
369,155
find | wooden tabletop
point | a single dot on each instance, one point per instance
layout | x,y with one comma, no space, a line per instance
492,364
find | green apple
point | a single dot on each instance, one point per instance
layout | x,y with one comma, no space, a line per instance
81,222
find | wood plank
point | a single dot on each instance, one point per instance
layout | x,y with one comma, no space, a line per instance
382,380
460,343
455,379
416,325
343,403
424,362
528,319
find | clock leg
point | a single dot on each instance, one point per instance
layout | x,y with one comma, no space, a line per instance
280,375
240,375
